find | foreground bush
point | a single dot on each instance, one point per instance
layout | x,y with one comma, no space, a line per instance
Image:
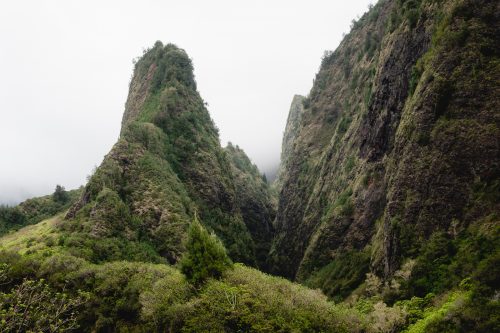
145,297
206,256
33,306
246,300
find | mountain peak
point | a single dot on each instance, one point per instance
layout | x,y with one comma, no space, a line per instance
161,69
168,164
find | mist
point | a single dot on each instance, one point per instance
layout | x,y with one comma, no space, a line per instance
66,66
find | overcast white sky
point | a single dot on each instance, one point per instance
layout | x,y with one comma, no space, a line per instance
65,67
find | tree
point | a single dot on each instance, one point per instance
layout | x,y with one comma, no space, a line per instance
11,216
206,257
60,195
264,178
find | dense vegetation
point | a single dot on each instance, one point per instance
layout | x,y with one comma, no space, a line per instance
205,258
257,202
390,194
387,211
213,296
133,218
35,210
167,165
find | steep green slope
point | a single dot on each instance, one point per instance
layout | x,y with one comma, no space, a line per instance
105,264
167,165
255,200
395,164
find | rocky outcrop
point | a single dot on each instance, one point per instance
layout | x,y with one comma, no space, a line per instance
291,130
168,165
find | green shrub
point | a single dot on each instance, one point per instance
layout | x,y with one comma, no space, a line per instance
206,256
11,218
162,304
343,125
111,212
416,73
33,306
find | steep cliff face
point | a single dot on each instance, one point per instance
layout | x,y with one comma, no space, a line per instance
398,143
288,144
167,166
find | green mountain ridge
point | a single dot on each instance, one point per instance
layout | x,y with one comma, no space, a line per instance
384,211
168,163
393,176
34,210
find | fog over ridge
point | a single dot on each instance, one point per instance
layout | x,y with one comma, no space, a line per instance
66,67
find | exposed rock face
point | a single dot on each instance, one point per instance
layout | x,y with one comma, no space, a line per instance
291,130
399,132
168,165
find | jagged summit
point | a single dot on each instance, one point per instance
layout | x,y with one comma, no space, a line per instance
160,67
168,164
291,130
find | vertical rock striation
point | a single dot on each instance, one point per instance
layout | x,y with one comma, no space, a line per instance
398,141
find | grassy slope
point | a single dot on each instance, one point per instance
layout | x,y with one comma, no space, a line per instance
31,237
34,210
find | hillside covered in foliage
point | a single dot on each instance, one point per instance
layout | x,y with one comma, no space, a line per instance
384,216
35,210
391,188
